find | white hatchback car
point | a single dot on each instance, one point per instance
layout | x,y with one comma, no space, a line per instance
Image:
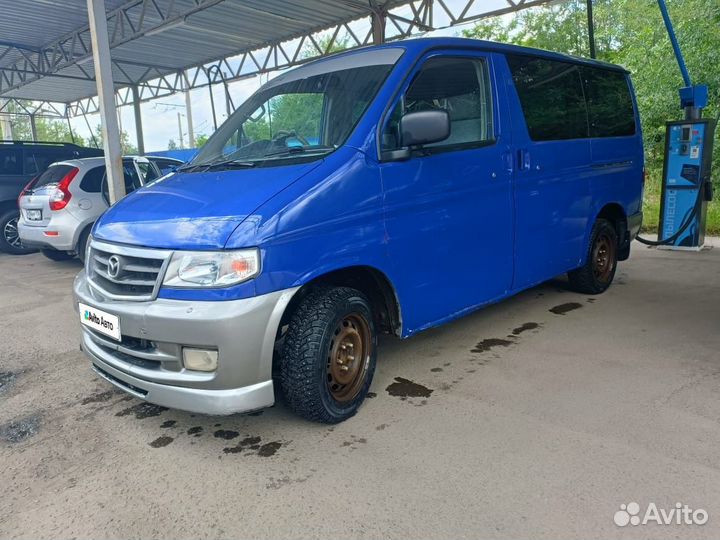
59,207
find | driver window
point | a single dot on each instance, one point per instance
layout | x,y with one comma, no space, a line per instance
460,86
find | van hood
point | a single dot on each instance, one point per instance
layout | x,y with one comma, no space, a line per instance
194,210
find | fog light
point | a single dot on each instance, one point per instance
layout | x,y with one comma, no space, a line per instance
200,359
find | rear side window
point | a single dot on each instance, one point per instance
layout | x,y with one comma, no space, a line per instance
610,106
551,96
10,161
92,181
52,175
459,86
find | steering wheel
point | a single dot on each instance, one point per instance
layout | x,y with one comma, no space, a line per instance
283,135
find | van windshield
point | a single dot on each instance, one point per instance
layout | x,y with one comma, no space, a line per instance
300,115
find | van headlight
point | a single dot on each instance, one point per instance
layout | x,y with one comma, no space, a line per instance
212,268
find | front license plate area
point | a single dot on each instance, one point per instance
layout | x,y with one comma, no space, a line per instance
100,321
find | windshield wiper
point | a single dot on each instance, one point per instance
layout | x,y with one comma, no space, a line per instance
299,150
224,163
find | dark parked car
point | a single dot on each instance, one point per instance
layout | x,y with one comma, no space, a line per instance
20,162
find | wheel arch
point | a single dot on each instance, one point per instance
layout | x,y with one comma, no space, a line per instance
615,214
371,281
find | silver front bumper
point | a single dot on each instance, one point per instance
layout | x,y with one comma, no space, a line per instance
148,361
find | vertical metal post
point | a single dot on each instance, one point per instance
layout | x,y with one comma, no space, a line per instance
378,25
33,127
591,28
138,121
106,98
188,115
180,133
5,124
212,100
67,118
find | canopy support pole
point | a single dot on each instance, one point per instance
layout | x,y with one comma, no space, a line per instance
106,99
138,121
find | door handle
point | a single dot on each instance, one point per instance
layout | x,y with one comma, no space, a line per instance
523,159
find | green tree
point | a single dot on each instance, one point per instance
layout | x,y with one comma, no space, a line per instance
631,33
128,148
200,140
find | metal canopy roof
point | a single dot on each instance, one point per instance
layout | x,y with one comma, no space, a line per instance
165,46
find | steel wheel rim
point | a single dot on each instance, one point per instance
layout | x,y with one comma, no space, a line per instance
349,357
603,258
11,234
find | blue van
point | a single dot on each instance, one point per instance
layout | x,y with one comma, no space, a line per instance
386,189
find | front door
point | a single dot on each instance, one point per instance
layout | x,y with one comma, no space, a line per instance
449,211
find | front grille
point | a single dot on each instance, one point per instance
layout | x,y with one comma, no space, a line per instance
126,273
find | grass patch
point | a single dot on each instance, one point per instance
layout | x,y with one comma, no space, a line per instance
651,206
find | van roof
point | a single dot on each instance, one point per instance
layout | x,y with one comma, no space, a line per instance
419,46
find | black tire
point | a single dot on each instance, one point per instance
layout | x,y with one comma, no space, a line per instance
55,255
82,244
305,364
9,239
601,259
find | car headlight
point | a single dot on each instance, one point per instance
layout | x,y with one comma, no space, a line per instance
212,268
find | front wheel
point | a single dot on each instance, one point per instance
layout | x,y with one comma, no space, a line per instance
596,275
328,358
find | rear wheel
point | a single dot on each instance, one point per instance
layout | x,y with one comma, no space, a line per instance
328,358
9,238
596,275
55,255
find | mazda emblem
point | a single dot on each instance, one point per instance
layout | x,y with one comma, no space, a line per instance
113,267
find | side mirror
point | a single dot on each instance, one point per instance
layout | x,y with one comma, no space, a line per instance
424,127
418,128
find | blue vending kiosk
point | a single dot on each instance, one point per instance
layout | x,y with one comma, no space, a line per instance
686,187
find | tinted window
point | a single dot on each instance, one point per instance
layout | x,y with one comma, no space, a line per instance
459,86
52,175
551,96
92,181
148,172
610,106
10,161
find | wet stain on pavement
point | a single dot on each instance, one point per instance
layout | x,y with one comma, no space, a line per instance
490,343
161,441
6,379
436,369
195,430
143,410
226,434
562,309
405,388
252,446
591,300
371,395
269,449
19,430
525,327
168,424
381,427
100,397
